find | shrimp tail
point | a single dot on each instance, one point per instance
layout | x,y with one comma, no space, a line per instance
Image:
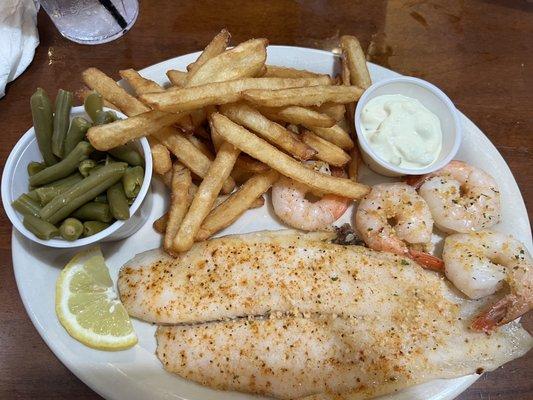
415,180
503,311
427,260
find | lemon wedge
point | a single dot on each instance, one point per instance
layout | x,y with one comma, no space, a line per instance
88,307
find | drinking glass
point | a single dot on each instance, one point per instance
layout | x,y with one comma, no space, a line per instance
92,21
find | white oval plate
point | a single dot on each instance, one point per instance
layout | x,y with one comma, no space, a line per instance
136,373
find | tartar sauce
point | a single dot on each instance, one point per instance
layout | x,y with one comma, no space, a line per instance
402,131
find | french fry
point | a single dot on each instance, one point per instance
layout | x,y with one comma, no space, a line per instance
138,83
302,96
217,45
283,163
356,61
198,117
160,224
110,90
205,196
160,157
335,111
248,164
83,92
350,107
181,99
274,133
274,71
335,135
298,116
326,151
354,164
181,182
243,61
188,154
237,203
108,136
167,178
177,78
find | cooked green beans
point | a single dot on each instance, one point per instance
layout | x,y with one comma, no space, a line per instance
92,227
76,133
93,212
127,154
92,104
71,229
118,204
25,205
35,167
82,192
86,166
105,117
41,111
63,168
61,121
42,229
132,181
32,194
68,181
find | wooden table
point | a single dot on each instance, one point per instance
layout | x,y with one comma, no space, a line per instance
479,52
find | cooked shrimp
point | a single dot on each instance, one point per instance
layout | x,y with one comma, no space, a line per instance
392,216
462,198
479,263
291,206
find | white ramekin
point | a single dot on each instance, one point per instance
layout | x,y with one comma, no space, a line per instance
434,100
15,182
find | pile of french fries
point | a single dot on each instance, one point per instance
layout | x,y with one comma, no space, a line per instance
224,131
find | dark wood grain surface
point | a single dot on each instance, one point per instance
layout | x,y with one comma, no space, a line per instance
479,52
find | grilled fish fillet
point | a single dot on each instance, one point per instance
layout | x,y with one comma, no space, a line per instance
335,358
355,324
266,272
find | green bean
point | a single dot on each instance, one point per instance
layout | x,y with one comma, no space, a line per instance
92,104
105,117
32,194
63,168
118,204
82,192
128,154
34,167
101,198
47,193
68,181
61,121
132,181
76,133
96,169
92,227
71,229
25,205
42,229
93,212
41,111
86,166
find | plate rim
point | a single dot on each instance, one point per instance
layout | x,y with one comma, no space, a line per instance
107,392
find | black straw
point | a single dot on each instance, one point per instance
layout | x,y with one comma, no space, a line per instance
114,13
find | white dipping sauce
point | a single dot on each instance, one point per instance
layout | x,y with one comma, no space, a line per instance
402,131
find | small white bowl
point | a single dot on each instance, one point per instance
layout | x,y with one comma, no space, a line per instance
435,101
15,182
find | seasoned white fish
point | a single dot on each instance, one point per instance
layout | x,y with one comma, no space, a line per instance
265,272
337,358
